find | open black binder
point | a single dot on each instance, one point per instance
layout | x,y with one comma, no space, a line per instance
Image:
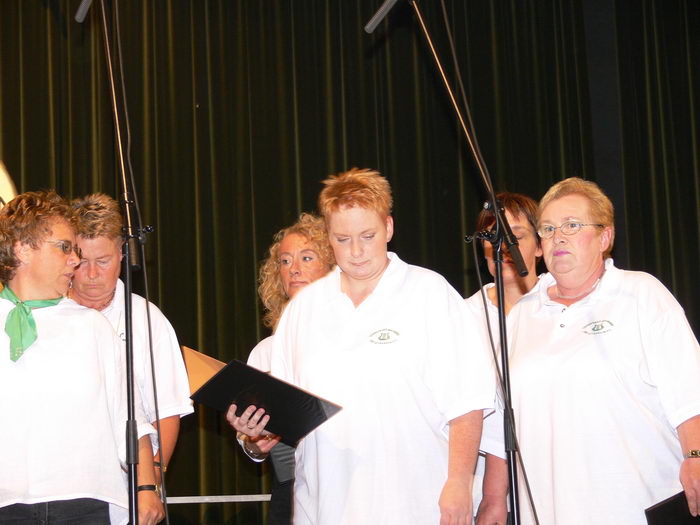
293,411
671,511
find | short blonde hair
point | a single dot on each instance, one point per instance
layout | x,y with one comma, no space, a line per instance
270,289
98,215
364,188
601,208
28,219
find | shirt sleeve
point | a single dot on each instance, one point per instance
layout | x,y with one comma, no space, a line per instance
171,377
673,355
492,439
458,370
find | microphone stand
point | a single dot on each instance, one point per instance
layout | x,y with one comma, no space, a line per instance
133,234
502,235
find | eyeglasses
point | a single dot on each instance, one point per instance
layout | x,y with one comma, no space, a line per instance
66,247
546,231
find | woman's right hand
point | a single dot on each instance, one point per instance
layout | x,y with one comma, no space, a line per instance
251,423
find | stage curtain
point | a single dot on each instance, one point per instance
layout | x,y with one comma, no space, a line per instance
239,108
659,65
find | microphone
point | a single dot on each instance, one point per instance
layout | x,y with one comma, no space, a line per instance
379,15
81,13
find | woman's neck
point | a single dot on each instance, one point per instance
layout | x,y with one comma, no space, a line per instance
26,291
513,291
568,293
99,303
359,290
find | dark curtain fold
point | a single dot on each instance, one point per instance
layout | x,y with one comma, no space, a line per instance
239,108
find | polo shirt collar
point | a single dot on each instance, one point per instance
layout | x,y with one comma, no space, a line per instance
608,282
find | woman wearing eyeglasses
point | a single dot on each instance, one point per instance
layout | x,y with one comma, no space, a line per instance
605,376
62,397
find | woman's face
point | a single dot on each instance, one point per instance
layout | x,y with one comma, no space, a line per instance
359,237
50,267
300,263
529,249
573,257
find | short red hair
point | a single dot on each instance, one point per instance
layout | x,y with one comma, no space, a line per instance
364,188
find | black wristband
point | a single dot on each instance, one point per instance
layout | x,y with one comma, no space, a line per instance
141,488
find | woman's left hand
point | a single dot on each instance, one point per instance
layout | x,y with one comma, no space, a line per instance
150,506
455,503
252,424
690,479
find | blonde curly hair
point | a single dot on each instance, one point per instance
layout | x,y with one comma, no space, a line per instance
270,288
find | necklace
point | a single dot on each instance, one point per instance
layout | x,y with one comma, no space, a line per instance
111,297
559,296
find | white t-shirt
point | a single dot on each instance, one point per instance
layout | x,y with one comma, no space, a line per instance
598,390
402,365
260,355
281,455
63,410
171,377
492,441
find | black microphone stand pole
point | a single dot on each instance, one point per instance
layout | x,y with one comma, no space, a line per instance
502,235
133,234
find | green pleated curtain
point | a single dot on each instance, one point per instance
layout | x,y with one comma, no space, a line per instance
239,108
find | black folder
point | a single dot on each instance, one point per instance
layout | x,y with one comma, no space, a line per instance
671,511
293,411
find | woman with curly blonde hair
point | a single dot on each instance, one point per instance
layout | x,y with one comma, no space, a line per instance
279,278
299,255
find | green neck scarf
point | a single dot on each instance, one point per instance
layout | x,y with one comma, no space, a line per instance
20,325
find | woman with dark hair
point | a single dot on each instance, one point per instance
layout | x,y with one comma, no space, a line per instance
521,214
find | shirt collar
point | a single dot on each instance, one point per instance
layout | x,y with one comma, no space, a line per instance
607,282
117,299
389,279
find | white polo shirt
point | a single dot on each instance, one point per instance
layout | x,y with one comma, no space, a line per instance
63,410
260,355
171,377
281,455
402,365
598,390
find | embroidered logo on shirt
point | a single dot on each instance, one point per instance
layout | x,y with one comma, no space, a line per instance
384,336
598,327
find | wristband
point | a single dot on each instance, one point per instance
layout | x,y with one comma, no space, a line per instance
692,454
157,464
243,439
141,488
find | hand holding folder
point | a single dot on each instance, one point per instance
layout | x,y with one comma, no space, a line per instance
293,412
671,511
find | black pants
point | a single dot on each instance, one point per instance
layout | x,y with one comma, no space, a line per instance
84,511
280,510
